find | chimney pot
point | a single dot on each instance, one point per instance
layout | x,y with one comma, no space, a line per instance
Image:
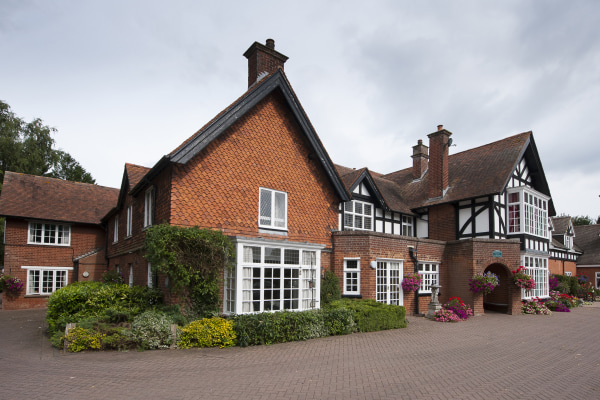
440,127
271,44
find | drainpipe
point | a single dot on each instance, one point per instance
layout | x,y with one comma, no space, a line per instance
412,251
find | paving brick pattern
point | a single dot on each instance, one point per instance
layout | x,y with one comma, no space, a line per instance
494,356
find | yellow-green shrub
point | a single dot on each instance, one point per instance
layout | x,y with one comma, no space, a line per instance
207,332
79,339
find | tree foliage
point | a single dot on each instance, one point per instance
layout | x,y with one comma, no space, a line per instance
193,259
28,147
584,220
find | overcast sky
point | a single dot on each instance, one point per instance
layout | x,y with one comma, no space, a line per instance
128,81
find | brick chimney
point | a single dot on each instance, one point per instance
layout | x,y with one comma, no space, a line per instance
420,157
438,162
262,60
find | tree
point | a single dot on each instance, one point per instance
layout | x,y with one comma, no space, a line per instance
29,148
582,220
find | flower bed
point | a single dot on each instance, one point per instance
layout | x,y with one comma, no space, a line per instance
455,310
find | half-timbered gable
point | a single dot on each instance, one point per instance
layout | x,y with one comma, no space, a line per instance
375,205
564,253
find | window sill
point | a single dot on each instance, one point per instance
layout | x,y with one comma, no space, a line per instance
273,231
352,296
35,296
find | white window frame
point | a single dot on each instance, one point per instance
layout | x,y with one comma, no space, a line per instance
537,268
129,230
150,280
532,212
408,225
430,275
568,273
130,275
597,280
252,286
59,278
43,231
357,215
272,209
149,207
116,230
352,276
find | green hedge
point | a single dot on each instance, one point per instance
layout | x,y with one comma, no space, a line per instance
372,316
106,302
286,326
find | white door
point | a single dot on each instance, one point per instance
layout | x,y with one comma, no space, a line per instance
389,278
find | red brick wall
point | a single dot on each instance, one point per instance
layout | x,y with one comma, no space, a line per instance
442,222
466,257
127,250
369,246
220,187
459,260
561,267
17,253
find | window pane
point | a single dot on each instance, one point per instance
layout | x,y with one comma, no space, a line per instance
49,233
272,255
251,254
279,210
47,278
34,281
291,257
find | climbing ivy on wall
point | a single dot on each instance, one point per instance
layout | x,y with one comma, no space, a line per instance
194,260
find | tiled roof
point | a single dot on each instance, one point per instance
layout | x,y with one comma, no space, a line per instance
389,190
588,239
472,173
561,224
135,173
38,197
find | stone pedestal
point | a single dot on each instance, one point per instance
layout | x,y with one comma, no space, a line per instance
434,305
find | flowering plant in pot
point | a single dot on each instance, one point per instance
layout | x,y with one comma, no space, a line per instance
12,284
523,280
411,282
483,283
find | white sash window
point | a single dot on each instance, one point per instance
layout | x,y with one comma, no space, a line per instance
272,209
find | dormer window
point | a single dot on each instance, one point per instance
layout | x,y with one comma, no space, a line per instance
358,215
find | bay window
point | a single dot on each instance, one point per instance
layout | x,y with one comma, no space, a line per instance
527,212
272,277
537,268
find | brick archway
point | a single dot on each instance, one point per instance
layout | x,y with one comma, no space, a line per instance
501,298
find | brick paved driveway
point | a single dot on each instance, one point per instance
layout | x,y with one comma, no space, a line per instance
494,356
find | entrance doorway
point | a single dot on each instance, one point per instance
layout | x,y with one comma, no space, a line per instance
388,283
498,300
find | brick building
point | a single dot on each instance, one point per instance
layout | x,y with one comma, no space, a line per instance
53,234
587,238
563,250
259,173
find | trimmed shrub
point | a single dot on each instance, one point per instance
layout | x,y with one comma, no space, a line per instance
207,332
79,339
372,316
105,302
286,326
568,284
152,330
330,288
